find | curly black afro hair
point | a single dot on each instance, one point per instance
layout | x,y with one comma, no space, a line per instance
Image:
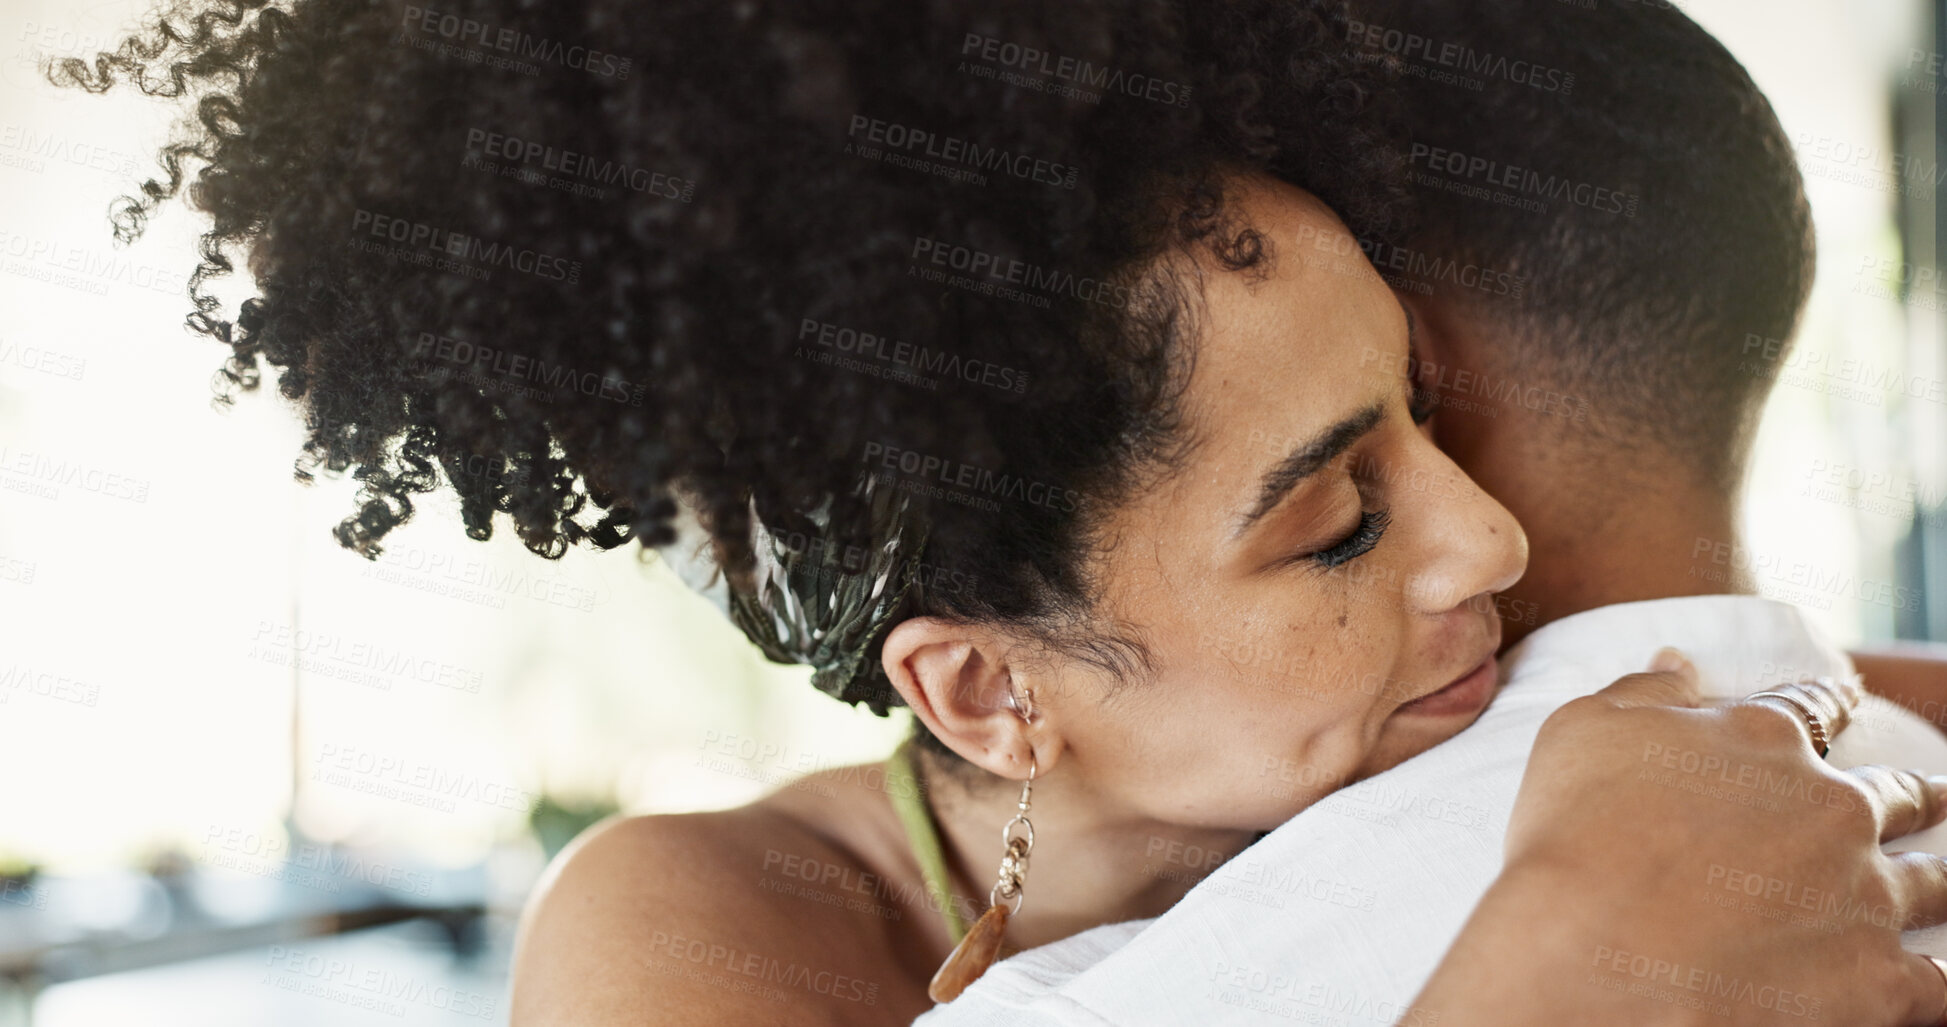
575,260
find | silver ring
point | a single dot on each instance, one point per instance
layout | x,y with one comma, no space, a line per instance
1821,737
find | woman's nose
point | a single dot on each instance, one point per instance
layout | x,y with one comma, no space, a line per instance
1474,545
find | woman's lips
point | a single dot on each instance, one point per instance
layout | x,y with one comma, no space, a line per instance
1469,694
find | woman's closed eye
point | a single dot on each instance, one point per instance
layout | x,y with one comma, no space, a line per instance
1364,536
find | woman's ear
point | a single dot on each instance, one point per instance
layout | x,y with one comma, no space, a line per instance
967,685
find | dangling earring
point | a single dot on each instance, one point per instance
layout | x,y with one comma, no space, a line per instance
982,945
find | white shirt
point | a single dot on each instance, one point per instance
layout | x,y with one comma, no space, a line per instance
1340,915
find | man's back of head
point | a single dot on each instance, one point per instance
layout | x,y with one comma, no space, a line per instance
1614,244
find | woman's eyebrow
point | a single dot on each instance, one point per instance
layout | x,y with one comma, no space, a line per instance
1305,460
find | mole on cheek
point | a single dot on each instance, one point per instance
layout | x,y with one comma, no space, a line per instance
1341,620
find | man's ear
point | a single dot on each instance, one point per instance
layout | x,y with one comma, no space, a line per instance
967,685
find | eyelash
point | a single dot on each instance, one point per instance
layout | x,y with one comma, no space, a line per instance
1373,523
1372,527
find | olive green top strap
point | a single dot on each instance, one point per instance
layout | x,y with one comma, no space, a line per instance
909,801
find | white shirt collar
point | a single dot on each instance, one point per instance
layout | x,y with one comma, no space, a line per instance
1740,644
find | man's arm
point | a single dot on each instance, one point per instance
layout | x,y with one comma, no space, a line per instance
1910,674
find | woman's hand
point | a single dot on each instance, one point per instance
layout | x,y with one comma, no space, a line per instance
1672,864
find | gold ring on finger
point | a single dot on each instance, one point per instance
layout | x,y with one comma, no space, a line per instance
1821,738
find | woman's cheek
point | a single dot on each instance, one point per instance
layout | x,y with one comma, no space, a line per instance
1333,747
1373,587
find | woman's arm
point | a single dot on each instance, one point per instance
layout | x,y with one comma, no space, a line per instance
1612,907
1912,674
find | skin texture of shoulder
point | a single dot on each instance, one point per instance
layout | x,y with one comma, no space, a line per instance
751,916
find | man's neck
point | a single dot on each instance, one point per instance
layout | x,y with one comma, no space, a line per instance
1646,536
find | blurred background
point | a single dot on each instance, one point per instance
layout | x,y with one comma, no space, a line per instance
248,778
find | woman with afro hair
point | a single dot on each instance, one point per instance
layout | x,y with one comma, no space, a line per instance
981,349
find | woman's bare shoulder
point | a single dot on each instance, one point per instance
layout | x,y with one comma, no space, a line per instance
692,919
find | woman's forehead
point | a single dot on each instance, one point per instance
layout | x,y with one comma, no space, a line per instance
1284,353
